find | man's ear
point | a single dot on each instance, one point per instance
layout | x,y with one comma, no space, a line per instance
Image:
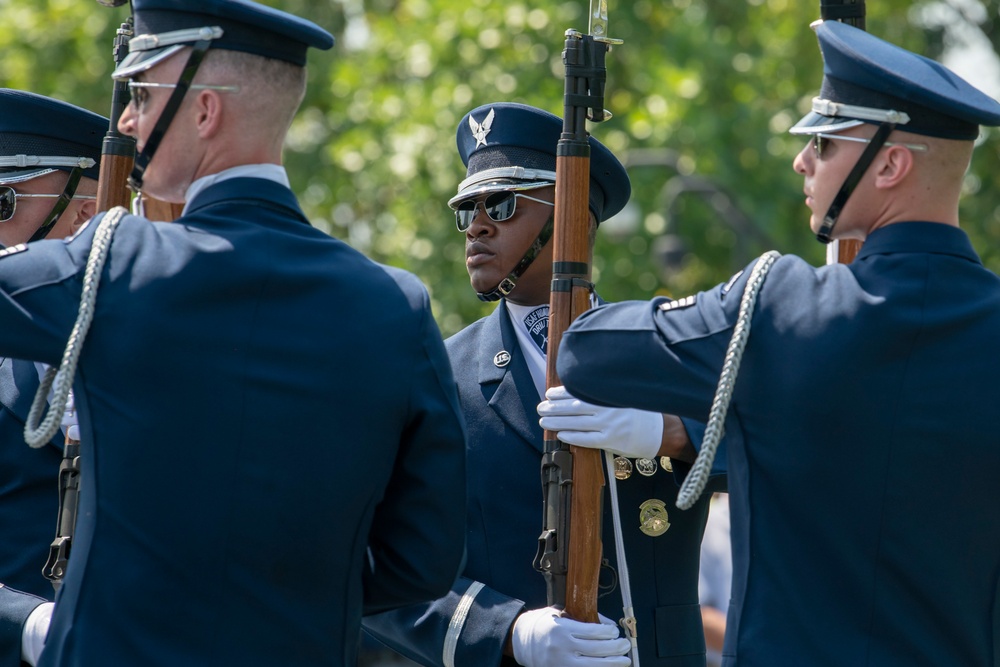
209,109
895,165
86,211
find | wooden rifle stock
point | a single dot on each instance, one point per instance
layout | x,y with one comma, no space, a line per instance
570,297
157,209
847,250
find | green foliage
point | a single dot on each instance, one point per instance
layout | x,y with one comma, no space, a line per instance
702,93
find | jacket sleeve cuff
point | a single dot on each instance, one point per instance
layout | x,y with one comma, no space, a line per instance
15,607
696,433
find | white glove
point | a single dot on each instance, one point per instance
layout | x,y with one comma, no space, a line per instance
34,632
633,433
69,422
545,638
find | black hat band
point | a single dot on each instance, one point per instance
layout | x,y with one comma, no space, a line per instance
25,151
493,157
236,36
922,120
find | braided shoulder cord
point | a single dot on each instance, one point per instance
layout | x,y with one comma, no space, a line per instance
62,377
696,480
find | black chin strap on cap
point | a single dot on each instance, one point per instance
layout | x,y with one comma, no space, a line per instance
167,115
507,285
874,146
64,199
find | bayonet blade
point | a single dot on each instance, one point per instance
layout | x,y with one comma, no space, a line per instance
599,23
599,18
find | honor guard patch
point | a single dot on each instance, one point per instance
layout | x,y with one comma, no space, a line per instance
537,324
678,303
13,250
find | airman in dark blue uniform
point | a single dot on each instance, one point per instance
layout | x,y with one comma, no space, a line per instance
271,438
47,148
862,445
497,613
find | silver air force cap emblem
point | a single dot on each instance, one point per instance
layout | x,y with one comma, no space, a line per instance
480,130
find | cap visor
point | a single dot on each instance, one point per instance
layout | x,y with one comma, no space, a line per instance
814,122
7,177
140,61
498,185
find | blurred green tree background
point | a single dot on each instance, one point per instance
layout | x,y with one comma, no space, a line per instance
702,93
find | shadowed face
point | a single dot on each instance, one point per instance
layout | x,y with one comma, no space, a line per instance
493,248
171,170
30,213
823,177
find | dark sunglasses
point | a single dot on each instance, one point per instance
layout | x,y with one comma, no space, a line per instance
499,206
821,140
9,197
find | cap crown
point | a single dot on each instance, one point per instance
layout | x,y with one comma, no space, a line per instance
246,26
861,70
495,139
49,133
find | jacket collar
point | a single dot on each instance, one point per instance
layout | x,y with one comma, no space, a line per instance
502,363
261,191
919,237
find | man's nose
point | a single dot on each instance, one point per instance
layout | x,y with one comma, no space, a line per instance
799,164
125,121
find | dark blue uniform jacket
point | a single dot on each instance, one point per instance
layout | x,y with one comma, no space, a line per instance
266,416
504,521
29,484
863,446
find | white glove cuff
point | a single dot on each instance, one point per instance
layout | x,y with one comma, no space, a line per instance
647,428
35,630
520,636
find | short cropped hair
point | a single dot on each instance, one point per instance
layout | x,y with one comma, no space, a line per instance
272,89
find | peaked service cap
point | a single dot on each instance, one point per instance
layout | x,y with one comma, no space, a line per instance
164,27
39,135
507,145
866,79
